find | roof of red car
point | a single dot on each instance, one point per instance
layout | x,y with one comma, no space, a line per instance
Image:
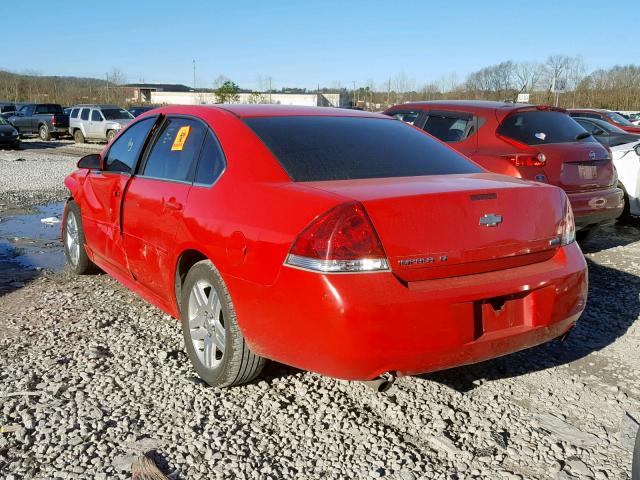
243,110
466,104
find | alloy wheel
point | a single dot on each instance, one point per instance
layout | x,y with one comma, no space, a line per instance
72,238
206,324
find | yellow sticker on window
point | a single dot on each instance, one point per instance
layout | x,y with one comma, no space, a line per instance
181,138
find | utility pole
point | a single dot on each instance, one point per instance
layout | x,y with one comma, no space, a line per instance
355,100
107,77
269,89
194,74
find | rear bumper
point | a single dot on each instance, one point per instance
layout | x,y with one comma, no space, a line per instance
597,207
59,129
357,326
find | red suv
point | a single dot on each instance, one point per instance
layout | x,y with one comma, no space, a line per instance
613,118
538,143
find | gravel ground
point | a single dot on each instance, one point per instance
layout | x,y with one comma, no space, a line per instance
92,376
34,174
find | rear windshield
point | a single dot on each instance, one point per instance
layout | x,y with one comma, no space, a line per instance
116,114
343,148
541,127
619,119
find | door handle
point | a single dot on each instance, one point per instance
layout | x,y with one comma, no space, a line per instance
173,204
116,193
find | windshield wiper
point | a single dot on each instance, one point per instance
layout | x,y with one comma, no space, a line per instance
582,136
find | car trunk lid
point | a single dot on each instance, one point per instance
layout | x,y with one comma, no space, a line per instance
577,166
451,225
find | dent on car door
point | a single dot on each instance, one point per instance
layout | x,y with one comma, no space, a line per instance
156,199
104,190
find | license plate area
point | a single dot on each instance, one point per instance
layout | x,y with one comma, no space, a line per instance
500,313
588,172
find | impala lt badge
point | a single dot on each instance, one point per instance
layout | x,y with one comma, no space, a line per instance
491,220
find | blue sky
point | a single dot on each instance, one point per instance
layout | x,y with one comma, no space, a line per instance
307,43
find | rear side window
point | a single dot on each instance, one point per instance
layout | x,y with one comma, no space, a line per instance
95,116
211,163
74,113
407,116
541,127
85,114
342,148
175,150
49,109
125,150
449,128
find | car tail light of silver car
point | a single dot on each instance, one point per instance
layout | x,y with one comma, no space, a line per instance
342,240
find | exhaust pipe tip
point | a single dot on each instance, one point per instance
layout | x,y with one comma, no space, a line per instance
381,384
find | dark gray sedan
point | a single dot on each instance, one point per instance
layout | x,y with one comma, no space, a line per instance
9,136
605,133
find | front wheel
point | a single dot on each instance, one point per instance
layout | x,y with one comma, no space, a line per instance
110,135
44,133
74,241
213,340
78,137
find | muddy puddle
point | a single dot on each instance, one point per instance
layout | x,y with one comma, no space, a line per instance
28,245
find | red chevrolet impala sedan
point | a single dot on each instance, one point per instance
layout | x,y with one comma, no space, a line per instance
539,143
343,242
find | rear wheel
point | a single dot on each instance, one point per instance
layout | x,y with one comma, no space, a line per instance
78,137
110,135
43,132
214,342
74,241
586,234
625,216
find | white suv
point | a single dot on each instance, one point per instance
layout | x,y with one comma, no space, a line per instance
97,122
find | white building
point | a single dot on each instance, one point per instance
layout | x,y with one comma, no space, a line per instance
182,95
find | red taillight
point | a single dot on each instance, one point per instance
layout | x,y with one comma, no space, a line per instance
340,240
527,155
53,120
527,159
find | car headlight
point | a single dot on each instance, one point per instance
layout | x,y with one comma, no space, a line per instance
15,133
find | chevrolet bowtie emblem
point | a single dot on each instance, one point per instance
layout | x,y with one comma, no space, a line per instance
491,220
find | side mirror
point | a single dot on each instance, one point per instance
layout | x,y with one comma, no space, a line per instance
92,161
637,149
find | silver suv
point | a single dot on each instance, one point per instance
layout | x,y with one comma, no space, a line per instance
97,122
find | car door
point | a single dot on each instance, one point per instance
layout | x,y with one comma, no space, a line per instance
104,190
83,123
95,125
22,120
156,198
455,128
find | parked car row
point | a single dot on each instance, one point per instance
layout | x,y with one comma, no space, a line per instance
543,144
82,122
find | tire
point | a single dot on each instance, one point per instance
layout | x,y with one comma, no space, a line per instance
586,234
625,216
214,343
43,133
74,240
110,135
78,137
635,467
